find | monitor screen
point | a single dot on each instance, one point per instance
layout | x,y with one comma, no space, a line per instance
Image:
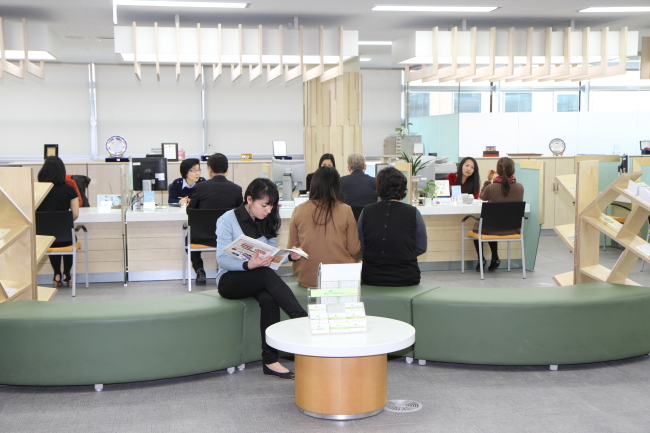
297,168
149,169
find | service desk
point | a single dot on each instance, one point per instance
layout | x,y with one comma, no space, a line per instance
155,241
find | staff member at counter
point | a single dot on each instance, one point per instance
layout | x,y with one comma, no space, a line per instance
467,177
181,190
327,160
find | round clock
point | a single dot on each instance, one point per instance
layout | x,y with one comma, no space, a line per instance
557,146
116,146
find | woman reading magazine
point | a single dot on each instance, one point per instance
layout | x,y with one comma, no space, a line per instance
259,219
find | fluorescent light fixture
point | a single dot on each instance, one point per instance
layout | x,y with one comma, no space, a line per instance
609,9
364,59
375,43
33,55
176,4
404,8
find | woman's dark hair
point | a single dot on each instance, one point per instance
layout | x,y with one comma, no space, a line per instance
260,189
325,192
327,156
391,184
53,170
505,169
473,183
187,165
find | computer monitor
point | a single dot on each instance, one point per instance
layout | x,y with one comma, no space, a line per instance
296,173
279,149
149,174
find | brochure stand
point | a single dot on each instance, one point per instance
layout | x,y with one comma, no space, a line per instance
335,306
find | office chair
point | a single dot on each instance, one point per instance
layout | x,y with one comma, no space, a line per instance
496,217
201,224
61,225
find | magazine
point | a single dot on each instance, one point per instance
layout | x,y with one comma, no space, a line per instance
244,248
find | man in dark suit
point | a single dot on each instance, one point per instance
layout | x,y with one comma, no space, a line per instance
216,193
358,189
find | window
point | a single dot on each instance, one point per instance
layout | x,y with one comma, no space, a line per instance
419,104
467,102
518,102
567,103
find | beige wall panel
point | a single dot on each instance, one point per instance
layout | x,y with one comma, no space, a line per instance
104,179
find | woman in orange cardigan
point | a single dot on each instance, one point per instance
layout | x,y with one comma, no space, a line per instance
324,227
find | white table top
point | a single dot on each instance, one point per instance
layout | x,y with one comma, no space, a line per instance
383,336
98,215
167,213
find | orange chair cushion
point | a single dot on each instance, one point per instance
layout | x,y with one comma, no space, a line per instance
200,247
619,219
474,235
67,249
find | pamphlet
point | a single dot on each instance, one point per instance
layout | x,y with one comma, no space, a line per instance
245,247
149,200
337,319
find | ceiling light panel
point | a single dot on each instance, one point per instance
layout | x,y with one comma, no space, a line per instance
614,9
419,8
375,43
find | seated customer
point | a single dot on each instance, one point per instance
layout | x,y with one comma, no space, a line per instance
357,188
216,193
503,189
324,227
181,189
327,160
62,197
392,235
467,177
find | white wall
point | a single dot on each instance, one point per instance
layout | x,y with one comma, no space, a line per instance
34,112
381,108
241,117
583,133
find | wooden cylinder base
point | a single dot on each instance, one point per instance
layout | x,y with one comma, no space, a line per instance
341,388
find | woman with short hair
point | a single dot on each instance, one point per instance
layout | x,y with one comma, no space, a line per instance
392,235
324,227
181,189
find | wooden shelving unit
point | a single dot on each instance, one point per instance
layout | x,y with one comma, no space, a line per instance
591,222
20,248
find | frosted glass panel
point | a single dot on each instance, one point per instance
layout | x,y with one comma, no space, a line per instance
35,112
149,112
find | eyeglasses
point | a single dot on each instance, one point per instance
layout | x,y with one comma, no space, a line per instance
197,170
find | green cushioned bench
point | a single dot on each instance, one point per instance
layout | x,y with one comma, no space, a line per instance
85,343
592,322
390,302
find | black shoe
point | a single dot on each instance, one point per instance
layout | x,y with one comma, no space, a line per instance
494,264
288,375
478,266
200,277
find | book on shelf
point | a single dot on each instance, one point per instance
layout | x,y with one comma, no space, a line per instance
610,222
639,190
245,247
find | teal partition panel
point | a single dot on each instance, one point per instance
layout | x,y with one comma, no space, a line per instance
645,177
439,134
529,178
607,173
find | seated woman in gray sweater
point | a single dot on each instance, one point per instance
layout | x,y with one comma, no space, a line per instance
392,235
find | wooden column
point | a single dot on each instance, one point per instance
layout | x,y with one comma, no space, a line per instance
332,119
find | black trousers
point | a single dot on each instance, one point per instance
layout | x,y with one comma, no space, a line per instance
271,293
55,261
493,248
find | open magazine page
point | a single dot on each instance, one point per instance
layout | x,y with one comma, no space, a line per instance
244,248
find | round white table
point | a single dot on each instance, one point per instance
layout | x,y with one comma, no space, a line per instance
341,376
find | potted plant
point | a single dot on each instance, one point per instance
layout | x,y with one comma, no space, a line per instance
416,163
402,130
430,192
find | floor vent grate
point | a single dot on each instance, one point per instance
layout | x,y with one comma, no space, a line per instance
402,406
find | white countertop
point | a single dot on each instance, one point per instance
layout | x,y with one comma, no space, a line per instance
172,213
383,336
98,215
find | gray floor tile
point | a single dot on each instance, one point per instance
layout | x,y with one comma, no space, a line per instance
65,420
457,426
542,424
624,422
199,416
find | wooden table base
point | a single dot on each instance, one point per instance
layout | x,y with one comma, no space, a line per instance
341,388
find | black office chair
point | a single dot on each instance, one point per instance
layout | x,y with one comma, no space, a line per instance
201,224
61,226
496,217
356,210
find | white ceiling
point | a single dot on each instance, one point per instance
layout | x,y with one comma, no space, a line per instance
82,23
